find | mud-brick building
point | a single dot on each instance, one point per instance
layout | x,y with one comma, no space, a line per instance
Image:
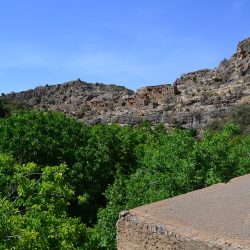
142,100
129,101
97,103
153,95
157,92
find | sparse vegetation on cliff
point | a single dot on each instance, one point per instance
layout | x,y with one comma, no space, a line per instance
8,106
239,114
213,91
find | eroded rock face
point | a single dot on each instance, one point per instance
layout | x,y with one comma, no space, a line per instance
191,102
212,92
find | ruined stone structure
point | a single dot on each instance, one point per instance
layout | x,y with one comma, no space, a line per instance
154,95
159,92
99,103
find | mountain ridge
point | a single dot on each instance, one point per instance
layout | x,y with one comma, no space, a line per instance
193,100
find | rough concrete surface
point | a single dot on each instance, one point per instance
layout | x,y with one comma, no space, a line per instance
217,217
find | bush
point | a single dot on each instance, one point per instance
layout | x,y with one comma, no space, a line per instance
33,209
239,115
175,164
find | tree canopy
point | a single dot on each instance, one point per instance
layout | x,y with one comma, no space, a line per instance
63,183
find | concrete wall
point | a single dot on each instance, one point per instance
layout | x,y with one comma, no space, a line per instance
136,233
217,217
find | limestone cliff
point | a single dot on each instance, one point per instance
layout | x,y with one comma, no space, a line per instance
191,101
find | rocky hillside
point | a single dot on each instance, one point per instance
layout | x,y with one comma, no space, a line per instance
197,97
70,97
207,94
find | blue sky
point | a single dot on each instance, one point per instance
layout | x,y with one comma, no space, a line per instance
126,42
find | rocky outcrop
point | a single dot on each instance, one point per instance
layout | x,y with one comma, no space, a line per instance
212,92
70,97
192,101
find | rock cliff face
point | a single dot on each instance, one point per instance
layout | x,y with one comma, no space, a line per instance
192,101
206,94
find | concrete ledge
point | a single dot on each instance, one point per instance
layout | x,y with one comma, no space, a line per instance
217,217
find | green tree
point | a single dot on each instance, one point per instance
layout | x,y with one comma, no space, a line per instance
163,172
2,110
8,106
93,154
45,138
35,215
171,164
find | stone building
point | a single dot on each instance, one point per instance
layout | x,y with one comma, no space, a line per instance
158,92
129,101
98,103
154,95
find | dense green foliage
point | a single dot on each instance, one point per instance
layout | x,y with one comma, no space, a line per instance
63,184
33,208
93,154
173,164
239,114
8,106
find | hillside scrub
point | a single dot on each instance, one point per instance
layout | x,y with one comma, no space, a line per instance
8,106
63,183
239,114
